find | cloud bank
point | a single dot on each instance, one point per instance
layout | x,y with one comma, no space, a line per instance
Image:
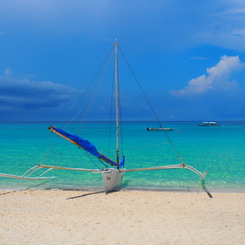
26,95
217,78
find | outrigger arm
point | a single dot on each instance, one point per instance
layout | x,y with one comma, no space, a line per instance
28,173
202,175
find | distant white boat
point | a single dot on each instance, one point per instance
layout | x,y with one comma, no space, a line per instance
159,129
209,124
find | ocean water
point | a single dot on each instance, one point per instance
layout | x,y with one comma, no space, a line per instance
218,150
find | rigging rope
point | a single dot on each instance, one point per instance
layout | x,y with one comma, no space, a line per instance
92,90
91,98
152,109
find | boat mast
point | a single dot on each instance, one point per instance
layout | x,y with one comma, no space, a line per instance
117,99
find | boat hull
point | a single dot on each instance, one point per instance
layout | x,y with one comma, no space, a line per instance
159,129
112,179
209,124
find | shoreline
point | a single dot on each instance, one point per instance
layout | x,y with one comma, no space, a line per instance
180,190
121,217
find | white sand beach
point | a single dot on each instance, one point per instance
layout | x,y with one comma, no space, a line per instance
124,217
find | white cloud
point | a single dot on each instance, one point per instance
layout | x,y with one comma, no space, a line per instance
217,78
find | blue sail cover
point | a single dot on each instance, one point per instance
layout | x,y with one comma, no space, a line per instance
86,145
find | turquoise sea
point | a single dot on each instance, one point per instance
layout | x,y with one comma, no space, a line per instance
218,150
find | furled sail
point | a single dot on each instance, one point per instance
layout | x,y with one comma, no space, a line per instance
86,145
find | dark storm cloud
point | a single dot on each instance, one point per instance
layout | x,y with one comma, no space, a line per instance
24,94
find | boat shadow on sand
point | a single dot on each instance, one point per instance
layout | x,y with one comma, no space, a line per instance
123,187
125,184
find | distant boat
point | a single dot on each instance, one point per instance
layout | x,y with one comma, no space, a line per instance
212,124
159,129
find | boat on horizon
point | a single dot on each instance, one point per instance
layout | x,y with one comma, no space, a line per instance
208,124
159,129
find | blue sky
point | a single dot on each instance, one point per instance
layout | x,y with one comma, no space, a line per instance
188,55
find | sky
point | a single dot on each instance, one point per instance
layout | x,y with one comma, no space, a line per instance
188,55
